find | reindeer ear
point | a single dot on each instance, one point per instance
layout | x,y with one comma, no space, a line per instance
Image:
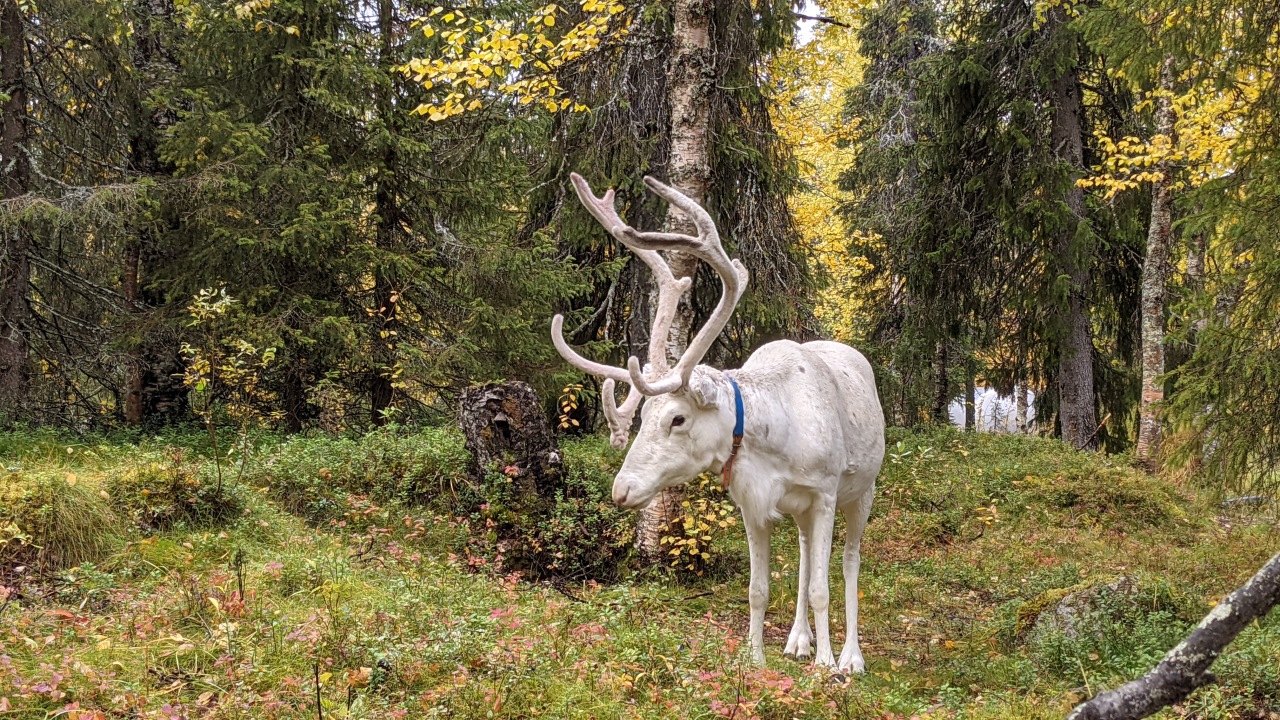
705,390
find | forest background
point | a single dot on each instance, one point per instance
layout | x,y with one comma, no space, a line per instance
1071,198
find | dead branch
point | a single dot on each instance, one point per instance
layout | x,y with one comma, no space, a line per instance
820,18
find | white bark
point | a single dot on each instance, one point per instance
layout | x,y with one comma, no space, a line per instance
689,78
1155,278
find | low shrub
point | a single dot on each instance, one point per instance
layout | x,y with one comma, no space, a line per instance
311,476
577,533
964,480
573,532
695,543
164,490
51,521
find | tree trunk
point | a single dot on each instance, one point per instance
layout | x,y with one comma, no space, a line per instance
293,400
1195,260
135,369
970,400
1155,276
385,296
15,260
1020,407
689,76
146,127
381,387
1076,412
941,383
1186,667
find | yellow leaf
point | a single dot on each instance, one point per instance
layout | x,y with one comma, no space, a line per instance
292,30
71,478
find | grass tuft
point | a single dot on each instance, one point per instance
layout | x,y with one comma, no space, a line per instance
53,520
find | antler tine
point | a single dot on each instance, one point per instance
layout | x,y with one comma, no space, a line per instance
619,416
601,209
706,247
698,214
576,360
669,292
670,289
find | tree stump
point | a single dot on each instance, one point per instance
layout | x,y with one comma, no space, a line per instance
506,430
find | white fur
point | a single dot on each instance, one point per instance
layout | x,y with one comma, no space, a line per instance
813,445
814,434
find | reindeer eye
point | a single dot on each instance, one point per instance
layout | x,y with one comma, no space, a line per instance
677,421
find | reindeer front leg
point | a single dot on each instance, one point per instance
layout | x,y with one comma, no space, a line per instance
758,595
799,642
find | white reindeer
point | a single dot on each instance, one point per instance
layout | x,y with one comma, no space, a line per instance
797,431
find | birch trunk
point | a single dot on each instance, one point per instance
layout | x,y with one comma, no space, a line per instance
1155,277
1077,413
689,78
15,242
1195,279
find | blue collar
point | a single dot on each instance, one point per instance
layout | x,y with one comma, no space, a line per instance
739,419
726,472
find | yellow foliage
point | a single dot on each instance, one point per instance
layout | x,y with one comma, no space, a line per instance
1206,131
517,59
814,79
706,515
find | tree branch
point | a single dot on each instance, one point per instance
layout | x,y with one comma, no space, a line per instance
820,18
1186,667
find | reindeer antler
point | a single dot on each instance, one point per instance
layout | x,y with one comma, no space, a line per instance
706,247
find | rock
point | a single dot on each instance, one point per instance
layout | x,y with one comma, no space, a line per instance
507,431
1067,610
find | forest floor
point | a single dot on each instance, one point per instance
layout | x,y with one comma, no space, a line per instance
256,612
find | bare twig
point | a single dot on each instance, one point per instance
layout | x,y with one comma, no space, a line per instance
319,710
820,18
1095,432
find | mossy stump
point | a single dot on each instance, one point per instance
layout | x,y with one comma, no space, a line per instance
507,431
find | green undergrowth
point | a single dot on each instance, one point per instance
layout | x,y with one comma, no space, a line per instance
360,568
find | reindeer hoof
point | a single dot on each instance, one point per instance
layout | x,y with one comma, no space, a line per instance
799,644
852,663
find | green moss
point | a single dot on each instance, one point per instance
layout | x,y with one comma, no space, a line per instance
444,633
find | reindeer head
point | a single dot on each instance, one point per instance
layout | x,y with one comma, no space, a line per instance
683,429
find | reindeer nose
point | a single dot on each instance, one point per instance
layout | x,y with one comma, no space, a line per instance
621,489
